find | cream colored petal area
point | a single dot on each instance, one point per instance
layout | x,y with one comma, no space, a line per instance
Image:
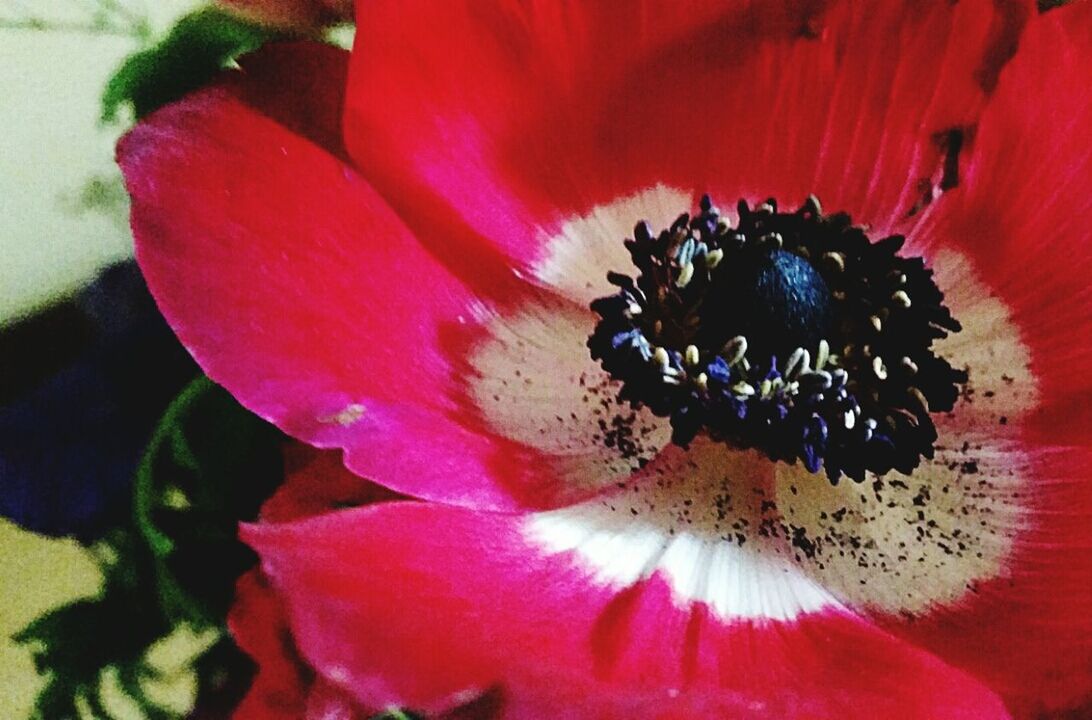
577,259
535,383
756,539
749,537
1002,388
904,543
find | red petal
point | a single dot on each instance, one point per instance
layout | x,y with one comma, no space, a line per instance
284,685
257,622
1021,213
418,605
301,85
1029,633
1027,194
510,120
295,285
317,482
283,688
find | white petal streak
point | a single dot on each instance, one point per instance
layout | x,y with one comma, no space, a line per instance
676,519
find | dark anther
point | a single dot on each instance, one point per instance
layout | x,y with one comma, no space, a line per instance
791,333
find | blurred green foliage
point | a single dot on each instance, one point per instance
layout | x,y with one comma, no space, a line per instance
199,46
209,465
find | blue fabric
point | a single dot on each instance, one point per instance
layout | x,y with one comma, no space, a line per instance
70,441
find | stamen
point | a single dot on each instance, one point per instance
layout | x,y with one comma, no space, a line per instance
735,350
879,368
798,363
718,329
692,355
823,355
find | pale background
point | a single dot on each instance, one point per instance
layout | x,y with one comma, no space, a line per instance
62,216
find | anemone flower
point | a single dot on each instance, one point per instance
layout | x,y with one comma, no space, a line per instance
731,354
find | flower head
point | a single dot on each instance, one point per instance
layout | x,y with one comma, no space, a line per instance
413,267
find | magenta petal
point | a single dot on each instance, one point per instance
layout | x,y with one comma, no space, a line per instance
294,285
424,605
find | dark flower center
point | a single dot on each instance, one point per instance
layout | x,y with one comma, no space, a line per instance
792,333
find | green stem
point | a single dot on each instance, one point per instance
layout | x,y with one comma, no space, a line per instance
146,498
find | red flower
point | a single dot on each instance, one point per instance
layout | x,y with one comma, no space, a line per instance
293,14
404,271
284,688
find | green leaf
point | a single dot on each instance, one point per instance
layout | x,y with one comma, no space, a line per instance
198,47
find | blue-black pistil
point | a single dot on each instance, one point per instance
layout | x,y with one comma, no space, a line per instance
792,333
